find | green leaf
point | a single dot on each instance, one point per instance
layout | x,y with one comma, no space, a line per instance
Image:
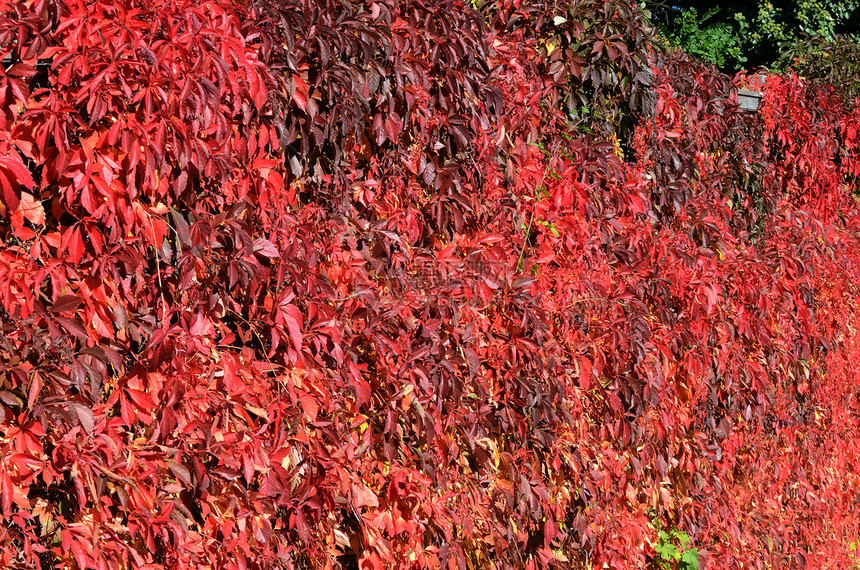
690,559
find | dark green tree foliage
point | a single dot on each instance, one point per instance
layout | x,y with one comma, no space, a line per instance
737,34
835,63
716,42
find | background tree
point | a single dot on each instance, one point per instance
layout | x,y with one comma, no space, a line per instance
735,35
835,63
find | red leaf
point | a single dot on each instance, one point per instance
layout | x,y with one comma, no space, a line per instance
293,317
180,471
141,399
300,95
248,467
13,163
35,388
363,391
32,209
265,248
545,254
66,303
362,496
80,554
73,244
10,399
73,326
302,525
84,414
6,494
310,407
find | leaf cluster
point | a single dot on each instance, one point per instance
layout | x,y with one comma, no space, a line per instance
834,63
312,284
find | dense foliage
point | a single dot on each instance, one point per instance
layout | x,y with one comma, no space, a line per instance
834,63
316,284
737,35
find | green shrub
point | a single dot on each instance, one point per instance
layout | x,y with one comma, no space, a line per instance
826,62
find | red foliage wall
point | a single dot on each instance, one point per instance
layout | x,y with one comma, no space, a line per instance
385,284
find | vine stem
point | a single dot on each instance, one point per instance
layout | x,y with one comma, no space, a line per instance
532,219
158,274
